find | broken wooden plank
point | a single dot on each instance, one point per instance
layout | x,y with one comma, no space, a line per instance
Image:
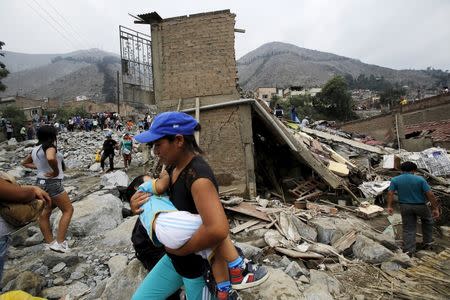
346,241
337,138
337,205
338,168
310,196
243,226
249,210
321,208
298,254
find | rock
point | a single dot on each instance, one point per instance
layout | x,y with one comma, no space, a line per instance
250,252
402,259
294,269
113,179
76,290
121,235
117,263
76,275
303,279
330,283
307,231
42,270
325,229
51,259
284,262
12,142
274,239
29,143
383,239
424,253
28,282
122,285
58,281
278,286
58,267
317,292
370,251
95,167
36,239
388,266
94,215
445,230
17,172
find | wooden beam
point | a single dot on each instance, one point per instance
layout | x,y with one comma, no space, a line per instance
243,226
336,138
249,210
298,254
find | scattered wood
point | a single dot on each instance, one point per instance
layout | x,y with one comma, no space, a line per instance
243,226
303,188
321,208
310,196
249,210
345,242
338,168
298,254
227,191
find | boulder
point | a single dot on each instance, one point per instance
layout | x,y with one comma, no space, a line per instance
113,179
274,239
94,215
278,286
12,142
121,235
117,264
122,285
59,267
51,259
35,239
76,290
29,282
325,227
250,252
17,172
317,292
321,278
370,251
295,269
95,167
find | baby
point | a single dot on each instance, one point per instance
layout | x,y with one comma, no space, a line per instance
167,226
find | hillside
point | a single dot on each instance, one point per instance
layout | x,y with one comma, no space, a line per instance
65,76
280,64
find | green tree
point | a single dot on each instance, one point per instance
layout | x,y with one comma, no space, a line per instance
16,116
273,101
335,101
3,71
392,96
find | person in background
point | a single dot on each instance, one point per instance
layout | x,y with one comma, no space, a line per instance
50,174
413,192
294,116
23,133
30,131
13,193
279,111
108,151
9,130
126,148
305,122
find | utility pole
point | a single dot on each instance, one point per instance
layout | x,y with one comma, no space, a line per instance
118,94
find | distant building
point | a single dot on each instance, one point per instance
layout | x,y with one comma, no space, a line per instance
265,93
299,90
81,98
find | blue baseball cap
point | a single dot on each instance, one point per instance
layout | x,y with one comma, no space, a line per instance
168,123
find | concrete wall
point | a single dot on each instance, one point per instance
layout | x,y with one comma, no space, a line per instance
193,56
226,137
382,127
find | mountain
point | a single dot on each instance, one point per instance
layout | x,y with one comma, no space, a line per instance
282,65
89,72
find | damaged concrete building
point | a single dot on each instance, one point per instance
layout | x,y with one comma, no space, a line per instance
194,69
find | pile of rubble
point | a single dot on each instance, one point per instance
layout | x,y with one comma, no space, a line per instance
79,149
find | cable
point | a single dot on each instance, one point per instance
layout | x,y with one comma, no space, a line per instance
69,42
86,41
56,21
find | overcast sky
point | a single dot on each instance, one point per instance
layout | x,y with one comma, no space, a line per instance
398,34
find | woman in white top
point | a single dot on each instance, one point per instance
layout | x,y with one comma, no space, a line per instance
49,164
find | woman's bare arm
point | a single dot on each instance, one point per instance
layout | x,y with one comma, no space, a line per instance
28,162
50,153
215,224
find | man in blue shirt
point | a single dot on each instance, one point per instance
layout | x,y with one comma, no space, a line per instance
413,192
